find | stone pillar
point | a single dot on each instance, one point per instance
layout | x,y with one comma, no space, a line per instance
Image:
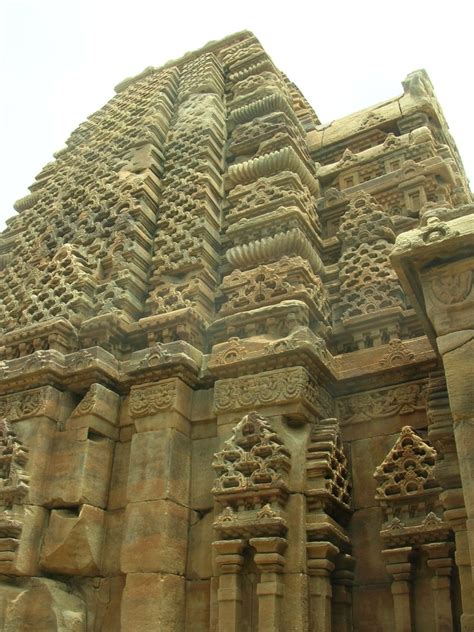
28,427
458,360
455,515
320,565
229,561
439,559
436,268
342,581
400,568
155,543
270,563
441,434
457,349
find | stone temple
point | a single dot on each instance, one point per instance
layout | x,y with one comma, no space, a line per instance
236,364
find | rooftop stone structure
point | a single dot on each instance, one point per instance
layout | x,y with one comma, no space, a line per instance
236,361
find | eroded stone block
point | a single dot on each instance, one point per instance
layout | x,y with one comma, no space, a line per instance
43,605
155,537
160,463
80,469
73,541
153,602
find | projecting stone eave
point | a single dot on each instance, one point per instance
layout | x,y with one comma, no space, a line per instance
418,97
210,47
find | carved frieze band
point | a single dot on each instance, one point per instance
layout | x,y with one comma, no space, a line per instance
399,400
152,399
31,403
273,387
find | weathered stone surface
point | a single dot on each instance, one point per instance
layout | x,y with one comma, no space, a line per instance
114,530
45,604
202,479
370,451
365,529
155,537
201,529
118,482
153,601
19,551
73,542
80,468
160,463
236,364
197,605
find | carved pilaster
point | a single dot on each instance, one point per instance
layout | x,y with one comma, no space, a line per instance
441,433
270,562
229,562
436,268
320,559
342,582
400,567
440,561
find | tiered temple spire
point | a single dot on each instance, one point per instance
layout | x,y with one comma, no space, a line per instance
218,318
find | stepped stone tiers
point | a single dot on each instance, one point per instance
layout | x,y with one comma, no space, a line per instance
236,364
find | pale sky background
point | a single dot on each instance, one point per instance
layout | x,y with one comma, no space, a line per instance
60,59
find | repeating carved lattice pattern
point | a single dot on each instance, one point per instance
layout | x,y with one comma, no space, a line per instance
253,458
93,203
327,466
407,470
368,282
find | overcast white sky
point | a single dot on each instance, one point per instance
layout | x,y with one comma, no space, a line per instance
60,59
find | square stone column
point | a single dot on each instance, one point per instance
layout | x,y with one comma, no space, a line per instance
399,566
342,581
435,264
229,561
155,541
455,515
270,562
439,559
321,557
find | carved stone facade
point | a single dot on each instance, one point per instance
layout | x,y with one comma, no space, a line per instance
236,358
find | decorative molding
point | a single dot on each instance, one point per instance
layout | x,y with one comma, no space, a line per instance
87,403
436,230
398,354
408,493
400,400
100,402
286,279
30,403
273,387
231,351
147,400
155,356
252,480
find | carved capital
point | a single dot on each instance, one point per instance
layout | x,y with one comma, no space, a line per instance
449,295
99,401
282,386
33,403
150,399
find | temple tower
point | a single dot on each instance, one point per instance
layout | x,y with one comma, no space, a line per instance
235,364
